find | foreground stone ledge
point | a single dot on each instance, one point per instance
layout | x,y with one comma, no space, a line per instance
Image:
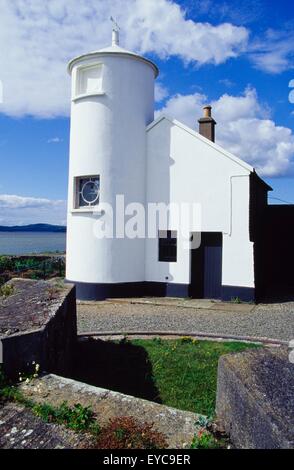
178,426
21,429
255,399
38,325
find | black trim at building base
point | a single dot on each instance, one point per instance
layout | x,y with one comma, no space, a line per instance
91,291
245,294
166,289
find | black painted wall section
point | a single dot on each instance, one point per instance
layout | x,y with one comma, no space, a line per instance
245,294
88,291
272,231
274,254
91,291
162,289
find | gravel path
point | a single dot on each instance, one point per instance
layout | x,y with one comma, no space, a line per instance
274,321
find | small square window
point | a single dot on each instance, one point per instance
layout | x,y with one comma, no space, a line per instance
167,246
89,80
87,191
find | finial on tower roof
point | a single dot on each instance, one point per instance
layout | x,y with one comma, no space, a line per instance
115,32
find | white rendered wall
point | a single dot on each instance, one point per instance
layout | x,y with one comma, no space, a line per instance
238,260
108,138
184,168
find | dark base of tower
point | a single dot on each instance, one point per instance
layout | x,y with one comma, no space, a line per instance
92,291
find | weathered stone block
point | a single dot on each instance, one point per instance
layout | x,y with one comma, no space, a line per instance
38,324
255,398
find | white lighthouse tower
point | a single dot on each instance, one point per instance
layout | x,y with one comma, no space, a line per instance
112,103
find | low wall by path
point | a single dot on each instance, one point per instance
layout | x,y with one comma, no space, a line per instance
38,326
177,426
255,398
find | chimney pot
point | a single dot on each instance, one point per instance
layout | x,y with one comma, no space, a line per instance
207,111
207,124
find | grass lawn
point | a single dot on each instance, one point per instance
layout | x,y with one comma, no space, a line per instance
185,371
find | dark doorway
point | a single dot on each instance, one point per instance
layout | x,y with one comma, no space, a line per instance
206,267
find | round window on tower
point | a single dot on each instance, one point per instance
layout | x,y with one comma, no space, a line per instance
90,192
87,191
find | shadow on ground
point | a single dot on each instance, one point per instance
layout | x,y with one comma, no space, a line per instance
121,367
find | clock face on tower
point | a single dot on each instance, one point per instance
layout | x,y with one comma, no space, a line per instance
88,191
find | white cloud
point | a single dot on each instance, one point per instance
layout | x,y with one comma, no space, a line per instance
274,53
38,38
230,108
19,210
10,201
236,11
54,140
291,94
161,92
165,31
184,108
244,128
227,82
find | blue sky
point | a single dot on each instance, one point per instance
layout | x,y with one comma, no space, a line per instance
236,55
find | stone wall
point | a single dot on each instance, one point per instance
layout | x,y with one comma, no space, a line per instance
255,399
38,325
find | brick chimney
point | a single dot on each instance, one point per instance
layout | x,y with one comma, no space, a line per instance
207,124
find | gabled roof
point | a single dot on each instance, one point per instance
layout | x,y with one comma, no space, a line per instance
219,149
261,182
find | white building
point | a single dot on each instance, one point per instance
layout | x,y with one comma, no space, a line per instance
117,148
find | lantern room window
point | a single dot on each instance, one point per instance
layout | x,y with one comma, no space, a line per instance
87,191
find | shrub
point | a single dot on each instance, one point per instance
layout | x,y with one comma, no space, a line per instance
4,278
8,392
157,341
6,263
186,339
205,440
78,418
6,290
127,433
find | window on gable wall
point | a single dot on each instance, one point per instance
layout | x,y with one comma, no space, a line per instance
167,240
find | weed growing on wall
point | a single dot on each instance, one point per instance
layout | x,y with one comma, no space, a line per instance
78,418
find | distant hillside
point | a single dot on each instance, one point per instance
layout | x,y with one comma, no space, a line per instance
33,228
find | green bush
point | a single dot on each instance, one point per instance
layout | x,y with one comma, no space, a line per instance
205,440
3,279
6,263
41,269
23,264
78,418
6,290
125,432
